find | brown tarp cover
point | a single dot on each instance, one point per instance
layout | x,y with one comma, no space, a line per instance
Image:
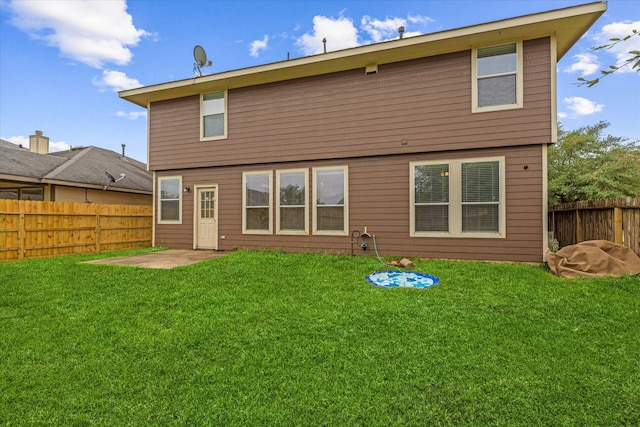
593,258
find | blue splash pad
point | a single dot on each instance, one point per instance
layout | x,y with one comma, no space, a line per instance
402,279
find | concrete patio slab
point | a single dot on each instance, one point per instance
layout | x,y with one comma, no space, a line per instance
167,259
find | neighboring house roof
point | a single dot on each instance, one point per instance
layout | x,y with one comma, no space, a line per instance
82,166
19,162
8,144
566,25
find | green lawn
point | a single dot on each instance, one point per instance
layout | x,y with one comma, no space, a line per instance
267,338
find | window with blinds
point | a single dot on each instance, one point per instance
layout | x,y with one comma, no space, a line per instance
497,75
480,197
458,198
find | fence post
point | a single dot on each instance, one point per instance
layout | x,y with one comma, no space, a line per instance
579,234
98,233
617,225
22,235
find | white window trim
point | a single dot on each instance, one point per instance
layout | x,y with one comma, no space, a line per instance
226,115
519,81
345,231
306,202
245,230
169,221
455,200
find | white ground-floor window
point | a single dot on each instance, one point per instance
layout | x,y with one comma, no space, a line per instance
329,196
458,198
256,202
170,200
292,201
331,200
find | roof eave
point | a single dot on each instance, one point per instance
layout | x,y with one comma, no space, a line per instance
17,179
567,25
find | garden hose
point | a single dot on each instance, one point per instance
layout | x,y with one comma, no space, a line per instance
378,255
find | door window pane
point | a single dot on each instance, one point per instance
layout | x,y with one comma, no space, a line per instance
207,204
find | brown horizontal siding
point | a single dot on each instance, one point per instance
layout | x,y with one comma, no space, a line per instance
414,106
378,199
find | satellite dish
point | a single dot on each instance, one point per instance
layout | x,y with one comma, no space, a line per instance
200,56
112,180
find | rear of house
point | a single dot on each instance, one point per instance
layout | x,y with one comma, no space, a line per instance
436,145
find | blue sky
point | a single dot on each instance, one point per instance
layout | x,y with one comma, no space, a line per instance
62,62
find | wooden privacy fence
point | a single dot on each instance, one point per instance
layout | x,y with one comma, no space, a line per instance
616,220
30,229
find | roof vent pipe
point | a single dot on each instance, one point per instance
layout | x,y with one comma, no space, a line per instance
401,32
324,41
123,145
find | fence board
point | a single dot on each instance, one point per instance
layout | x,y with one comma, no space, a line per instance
616,220
32,229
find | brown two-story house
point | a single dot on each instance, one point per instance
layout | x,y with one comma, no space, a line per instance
435,144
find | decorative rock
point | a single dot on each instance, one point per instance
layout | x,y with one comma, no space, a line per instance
406,263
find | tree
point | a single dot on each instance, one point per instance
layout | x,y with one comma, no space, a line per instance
585,164
633,59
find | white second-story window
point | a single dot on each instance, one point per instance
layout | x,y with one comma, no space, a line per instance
214,115
498,77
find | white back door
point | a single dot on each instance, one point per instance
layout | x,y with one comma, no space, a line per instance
207,218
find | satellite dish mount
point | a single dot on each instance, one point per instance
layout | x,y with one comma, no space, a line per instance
200,57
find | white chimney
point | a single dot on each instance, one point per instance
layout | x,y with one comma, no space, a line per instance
39,143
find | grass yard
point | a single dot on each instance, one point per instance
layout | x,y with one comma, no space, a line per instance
270,339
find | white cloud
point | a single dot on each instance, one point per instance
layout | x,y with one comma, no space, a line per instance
131,115
586,64
340,34
53,145
18,140
562,115
257,45
419,19
58,146
115,80
92,32
581,106
621,50
382,30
